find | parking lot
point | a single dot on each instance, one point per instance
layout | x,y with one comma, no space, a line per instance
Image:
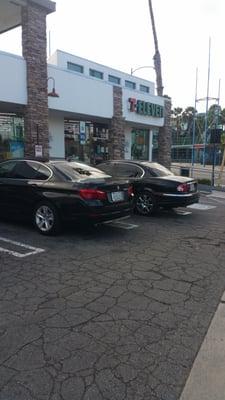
114,312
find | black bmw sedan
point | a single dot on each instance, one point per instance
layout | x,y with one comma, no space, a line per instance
49,193
154,185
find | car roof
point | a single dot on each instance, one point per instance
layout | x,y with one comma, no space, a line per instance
38,159
140,162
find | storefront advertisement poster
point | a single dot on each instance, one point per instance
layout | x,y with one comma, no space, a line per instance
16,149
82,138
82,127
38,150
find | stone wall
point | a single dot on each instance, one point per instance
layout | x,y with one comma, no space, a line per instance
34,52
116,131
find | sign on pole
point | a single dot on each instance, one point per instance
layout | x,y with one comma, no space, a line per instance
38,150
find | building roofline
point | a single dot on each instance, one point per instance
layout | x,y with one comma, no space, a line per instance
105,66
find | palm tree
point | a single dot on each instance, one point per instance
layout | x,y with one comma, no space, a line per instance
164,137
176,119
157,57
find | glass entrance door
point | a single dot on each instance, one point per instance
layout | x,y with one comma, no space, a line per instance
140,144
86,141
77,140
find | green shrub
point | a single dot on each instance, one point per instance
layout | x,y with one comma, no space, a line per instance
204,181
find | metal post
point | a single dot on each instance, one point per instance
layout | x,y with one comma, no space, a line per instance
194,123
207,106
214,147
213,166
215,127
219,93
37,130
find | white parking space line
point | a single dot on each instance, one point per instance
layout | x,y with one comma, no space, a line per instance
124,225
182,212
121,224
213,199
220,195
32,250
202,207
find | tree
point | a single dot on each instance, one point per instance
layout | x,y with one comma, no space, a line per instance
157,57
223,159
223,116
214,116
176,119
188,116
164,137
182,122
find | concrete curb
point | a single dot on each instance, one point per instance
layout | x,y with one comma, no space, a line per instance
206,380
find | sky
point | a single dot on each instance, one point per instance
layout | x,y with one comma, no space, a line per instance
118,34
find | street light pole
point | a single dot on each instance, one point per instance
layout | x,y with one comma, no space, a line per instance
207,106
136,69
194,123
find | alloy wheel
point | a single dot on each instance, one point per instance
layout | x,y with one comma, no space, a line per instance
44,218
145,204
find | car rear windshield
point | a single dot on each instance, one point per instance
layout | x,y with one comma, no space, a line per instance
156,169
65,169
87,170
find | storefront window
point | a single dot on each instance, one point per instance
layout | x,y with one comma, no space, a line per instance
140,144
11,136
155,144
86,141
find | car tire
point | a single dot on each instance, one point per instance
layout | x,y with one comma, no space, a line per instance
145,203
46,219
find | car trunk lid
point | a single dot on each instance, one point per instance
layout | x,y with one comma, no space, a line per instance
107,190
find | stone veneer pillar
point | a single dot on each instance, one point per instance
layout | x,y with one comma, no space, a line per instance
164,136
34,52
116,131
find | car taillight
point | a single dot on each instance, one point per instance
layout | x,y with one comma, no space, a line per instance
93,194
183,187
130,191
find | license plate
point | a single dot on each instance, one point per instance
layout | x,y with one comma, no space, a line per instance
192,187
117,196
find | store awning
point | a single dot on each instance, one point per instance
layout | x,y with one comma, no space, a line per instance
10,12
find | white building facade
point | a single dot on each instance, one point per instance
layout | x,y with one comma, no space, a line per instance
100,112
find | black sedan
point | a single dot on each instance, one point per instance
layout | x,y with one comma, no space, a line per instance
154,185
51,192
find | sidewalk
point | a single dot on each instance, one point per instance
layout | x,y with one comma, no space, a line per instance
199,172
206,380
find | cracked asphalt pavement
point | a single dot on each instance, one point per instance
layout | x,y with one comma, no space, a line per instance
109,313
